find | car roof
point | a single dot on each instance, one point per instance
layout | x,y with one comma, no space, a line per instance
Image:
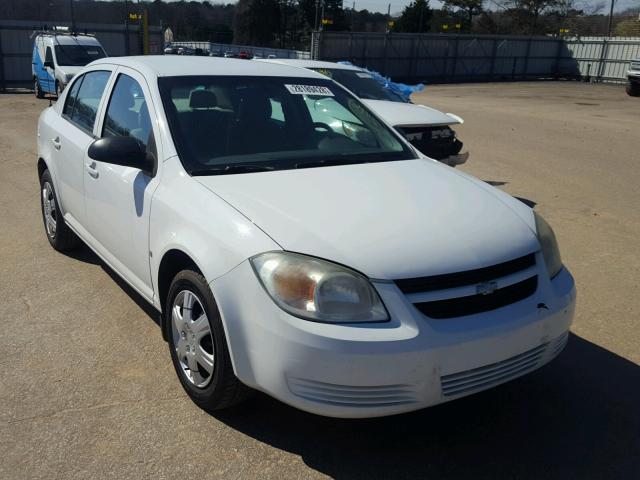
67,39
310,64
175,65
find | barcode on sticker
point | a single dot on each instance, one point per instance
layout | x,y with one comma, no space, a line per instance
309,90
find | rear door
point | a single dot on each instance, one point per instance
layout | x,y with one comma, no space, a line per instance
118,199
71,137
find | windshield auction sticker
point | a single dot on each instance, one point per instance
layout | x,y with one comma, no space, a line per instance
309,90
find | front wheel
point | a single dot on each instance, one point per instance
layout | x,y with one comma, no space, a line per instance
60,236
198,344
36,88
633,89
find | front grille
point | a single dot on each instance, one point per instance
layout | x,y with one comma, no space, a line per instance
426,293
472,304
489,375
435,142
468,277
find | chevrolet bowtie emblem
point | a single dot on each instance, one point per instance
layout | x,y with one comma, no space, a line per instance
486,288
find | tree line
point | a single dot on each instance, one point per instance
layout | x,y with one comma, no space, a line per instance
289,23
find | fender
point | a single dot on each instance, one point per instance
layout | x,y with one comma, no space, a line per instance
216,237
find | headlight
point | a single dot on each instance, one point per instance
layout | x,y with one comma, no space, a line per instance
549,244
318,290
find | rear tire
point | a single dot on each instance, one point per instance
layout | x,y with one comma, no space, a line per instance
633,89
198,344
60,236
36,87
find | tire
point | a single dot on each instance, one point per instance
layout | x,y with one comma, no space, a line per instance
633,89
36,88
200,357
60,236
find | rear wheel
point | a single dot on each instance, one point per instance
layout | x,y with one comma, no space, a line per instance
60,236
36,88
633,89
198,344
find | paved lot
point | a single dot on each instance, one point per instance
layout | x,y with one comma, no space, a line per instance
87,389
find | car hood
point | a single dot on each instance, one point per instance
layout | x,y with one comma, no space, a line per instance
388,220
68,70
400,114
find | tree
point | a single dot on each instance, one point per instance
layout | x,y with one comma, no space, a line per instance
470,8
526,13
256,22
415,17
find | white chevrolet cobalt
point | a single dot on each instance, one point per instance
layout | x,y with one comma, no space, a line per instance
346,275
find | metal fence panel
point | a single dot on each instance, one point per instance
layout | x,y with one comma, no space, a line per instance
455,58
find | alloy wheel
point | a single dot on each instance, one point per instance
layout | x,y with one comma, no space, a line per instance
49,209
192,339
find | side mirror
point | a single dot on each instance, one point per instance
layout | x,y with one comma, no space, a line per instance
49,64
124,151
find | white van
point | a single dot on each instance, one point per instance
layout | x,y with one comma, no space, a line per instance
58,56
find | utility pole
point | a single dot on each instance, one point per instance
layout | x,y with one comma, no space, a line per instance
421,16
322,15
73,20
388,18
613,2
317,2
127,49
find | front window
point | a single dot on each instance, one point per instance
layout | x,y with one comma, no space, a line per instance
232,124
78,55
361,83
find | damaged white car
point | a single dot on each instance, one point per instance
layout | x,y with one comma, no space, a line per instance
428,129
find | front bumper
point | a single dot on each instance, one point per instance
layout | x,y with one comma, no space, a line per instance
408,363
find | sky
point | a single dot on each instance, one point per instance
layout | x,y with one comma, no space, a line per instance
398,5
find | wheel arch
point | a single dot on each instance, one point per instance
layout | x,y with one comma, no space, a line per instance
173,261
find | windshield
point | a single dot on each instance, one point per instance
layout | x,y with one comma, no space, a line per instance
78,55
361,83
244,124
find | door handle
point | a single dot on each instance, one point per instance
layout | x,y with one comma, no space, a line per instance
91,169
56,143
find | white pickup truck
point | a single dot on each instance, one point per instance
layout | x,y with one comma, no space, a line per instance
633,77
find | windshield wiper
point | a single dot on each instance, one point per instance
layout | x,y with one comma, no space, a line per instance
229,169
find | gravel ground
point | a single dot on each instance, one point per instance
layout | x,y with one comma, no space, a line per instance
87,389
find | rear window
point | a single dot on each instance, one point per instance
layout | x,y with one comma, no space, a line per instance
225,124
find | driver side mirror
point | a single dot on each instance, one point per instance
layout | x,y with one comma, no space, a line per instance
124,151
49,64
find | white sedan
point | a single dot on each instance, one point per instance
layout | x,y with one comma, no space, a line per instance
428,129
344,275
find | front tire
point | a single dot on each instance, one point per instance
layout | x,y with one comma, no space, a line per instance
36,88
198,344
633,89
60,236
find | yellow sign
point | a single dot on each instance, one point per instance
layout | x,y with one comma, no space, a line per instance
445,27
391,23
327,21
135,16
458,26
564,30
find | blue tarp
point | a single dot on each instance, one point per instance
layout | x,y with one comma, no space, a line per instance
401,89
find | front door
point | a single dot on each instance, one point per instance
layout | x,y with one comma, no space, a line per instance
118,198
